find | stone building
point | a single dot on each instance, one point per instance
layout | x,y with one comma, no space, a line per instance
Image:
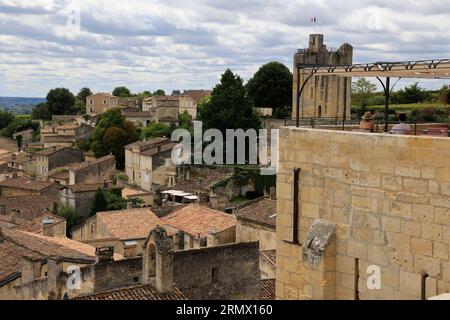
37,269
354,207
147,162
100,102
198,226
64,135
55,157
325,96
31,214
23,162
162,108
92,172
190,99
139,118
124,230
26,187
81,196
256,221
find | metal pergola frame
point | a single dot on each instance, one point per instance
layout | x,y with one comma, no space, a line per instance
422,69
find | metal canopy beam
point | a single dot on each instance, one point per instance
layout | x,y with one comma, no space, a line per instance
423,69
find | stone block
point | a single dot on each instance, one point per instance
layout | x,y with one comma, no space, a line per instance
411,284
422,247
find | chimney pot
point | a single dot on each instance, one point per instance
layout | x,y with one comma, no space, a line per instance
47,227
2,209
104,254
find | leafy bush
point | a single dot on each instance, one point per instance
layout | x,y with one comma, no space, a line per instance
72,216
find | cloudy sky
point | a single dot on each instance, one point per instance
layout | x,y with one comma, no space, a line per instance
151,44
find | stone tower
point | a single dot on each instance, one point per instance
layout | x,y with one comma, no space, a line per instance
325,96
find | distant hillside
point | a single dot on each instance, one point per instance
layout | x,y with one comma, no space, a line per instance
19,105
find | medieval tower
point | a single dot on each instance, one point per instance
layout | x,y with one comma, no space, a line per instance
325,96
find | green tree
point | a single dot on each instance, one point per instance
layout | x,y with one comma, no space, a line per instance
271,87
121,92
444,95
410,94
41,112
61,101
363,90
99,204
112,134
229,106
159,92
83,94
72,216
5,119
155,130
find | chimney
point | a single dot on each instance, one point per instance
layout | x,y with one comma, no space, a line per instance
47,227
273,193
104,254
158,260
2,236
129,205
54,271
13,157
13,215
211,239
2,209
31,269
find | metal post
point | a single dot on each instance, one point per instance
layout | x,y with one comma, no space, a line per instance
386,108
298,99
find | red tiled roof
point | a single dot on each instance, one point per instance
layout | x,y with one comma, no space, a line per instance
21,183
15,244
146,292
198,220
267,289
197,95
261,211
87,164
129,224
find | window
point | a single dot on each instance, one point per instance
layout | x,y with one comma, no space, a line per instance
214,275
104,102
136,280
92,229
91,101
295,197
91,109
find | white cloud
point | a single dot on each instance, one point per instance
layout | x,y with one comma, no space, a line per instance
150,44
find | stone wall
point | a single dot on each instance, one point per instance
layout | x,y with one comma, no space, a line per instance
223,272
248,231
364,201
325,96
117,274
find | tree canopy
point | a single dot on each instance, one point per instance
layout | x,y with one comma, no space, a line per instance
410,94
41,112
61,101
159,92
121,92
83,94
155,130
271,87
363,90
229,107
112,134
5,119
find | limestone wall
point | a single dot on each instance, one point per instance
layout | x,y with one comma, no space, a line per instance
387,200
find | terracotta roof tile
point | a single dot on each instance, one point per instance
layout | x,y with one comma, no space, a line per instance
197,95
262,211
146,292
267,289
16,244
52,150
22,183
87,164
198,220
129,224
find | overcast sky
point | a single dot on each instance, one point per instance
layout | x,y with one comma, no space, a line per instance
151,44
